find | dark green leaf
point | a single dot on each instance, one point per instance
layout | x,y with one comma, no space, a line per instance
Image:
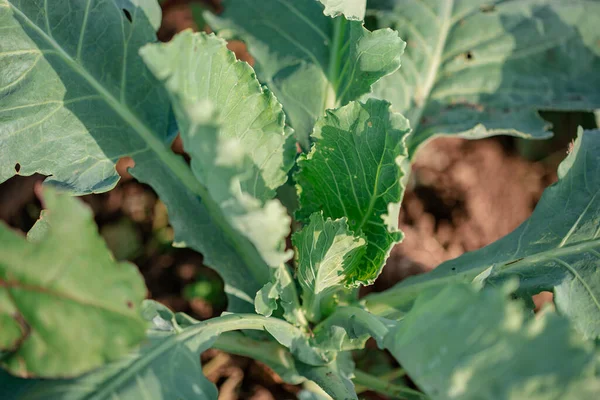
353,171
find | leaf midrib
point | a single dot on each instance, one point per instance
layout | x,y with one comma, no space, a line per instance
410,291
120,108
143,361
331,99
553,253
176,164
213,328
422,96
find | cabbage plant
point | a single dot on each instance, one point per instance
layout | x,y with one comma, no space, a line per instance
337,112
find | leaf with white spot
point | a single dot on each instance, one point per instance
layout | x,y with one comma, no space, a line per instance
353,171
351,9
326,251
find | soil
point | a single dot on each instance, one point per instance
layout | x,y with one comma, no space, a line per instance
462,196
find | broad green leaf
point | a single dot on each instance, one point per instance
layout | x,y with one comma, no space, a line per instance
460,344
196,67
326,250
353,171
351,9
166,367
282,288
476,68
310,61
242,158
76,97
334,378
556,249
66,306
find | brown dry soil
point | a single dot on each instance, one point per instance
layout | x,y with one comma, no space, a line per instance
462,195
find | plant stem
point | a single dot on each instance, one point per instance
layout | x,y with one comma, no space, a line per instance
274,355
382,386
395,374
388,377
236,322
331,98
286,334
